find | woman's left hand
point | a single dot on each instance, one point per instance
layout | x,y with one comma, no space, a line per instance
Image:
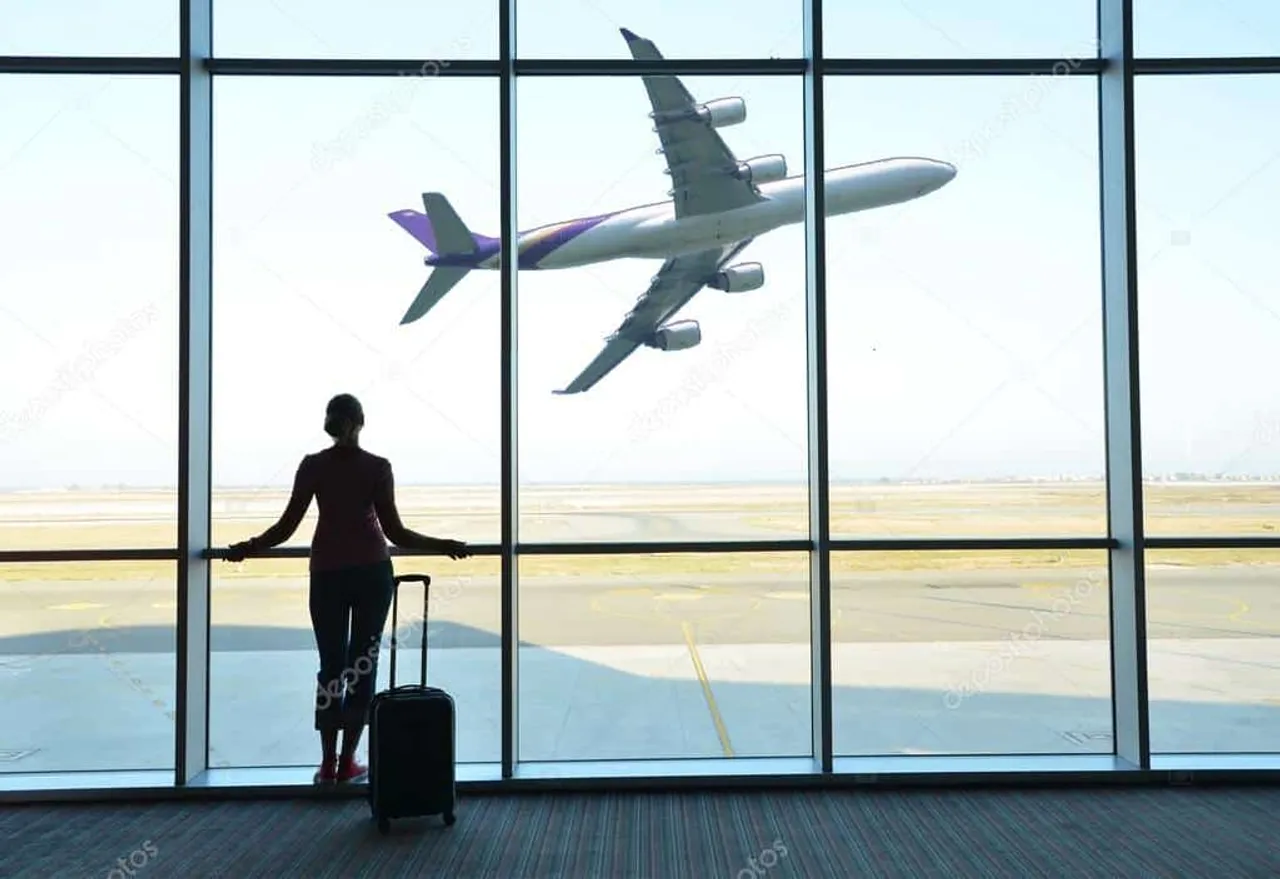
455,549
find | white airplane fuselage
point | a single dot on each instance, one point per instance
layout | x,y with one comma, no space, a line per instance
654,232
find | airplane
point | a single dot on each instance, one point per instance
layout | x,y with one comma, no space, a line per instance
717,206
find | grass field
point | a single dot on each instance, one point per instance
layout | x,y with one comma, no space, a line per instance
81,520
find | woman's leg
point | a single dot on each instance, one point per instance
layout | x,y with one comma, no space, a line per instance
371,601
329,614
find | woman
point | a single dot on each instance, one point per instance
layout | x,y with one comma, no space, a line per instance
351,576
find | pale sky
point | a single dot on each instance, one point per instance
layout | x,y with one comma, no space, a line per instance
965,327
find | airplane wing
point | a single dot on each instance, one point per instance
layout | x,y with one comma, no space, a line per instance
698,160
678,281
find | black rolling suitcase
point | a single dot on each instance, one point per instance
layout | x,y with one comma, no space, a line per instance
412,731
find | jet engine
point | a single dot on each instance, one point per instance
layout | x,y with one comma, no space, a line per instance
762,169
677,336
722,112
738,278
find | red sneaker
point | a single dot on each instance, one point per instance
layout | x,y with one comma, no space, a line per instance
327,773
352,771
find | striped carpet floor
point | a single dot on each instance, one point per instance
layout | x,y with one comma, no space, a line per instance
1137,832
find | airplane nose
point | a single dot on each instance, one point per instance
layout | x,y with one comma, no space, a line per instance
937,175
942,173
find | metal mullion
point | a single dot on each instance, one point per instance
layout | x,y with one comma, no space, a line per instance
471,67
195,222
972,544
961,66
37,556
1206,66
820,680
665,66
666,548
442,67
1127,605
1211,542
81,65
510,639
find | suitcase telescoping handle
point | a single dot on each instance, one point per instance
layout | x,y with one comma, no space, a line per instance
395,602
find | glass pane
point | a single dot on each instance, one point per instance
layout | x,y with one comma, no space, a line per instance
87,666
965,324
1208,175
1212,650
697,441
1165,28
89,28
685,29
966,653
331,29
89,312
1063,29
265,663
626,657
312,278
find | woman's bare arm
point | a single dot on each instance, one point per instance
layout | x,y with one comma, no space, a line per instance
291,518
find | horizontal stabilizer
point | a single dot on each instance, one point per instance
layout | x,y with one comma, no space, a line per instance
442,280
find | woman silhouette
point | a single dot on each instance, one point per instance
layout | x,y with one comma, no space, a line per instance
351,576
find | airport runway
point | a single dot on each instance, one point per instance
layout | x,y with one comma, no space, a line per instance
272,614
601,610
659,512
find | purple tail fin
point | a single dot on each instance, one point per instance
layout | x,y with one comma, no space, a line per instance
418,225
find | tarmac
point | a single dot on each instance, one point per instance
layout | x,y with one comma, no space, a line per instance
660,667
677,663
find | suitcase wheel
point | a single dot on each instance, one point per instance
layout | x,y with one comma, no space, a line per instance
449,819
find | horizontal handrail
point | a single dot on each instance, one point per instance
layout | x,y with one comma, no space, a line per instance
685,547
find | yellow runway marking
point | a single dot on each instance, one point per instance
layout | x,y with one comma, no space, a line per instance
788,595
677,596
79,605
710,697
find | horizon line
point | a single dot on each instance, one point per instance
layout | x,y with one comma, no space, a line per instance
866,482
